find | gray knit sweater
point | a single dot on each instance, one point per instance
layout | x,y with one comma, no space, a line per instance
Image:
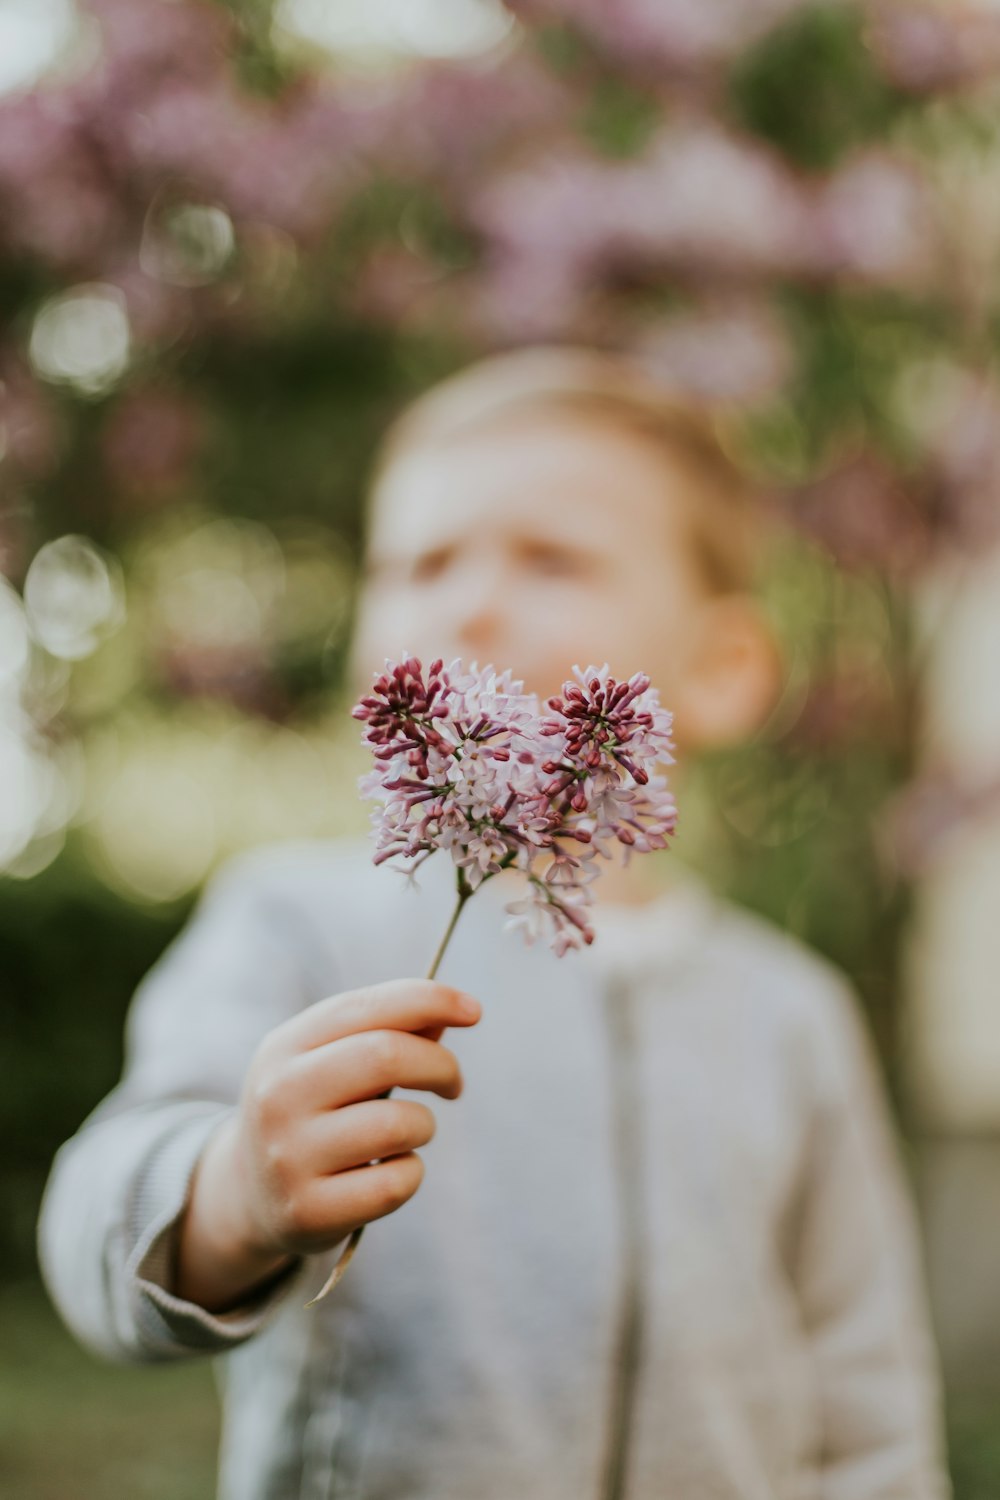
662,1248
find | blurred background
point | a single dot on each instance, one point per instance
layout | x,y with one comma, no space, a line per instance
234,239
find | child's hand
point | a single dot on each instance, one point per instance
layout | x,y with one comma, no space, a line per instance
288,1173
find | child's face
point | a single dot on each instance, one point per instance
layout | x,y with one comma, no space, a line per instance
534,545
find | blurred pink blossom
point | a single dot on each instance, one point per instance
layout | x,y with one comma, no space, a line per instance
450,122
927,47
962,459
151,439
874,221
728,350
865,516
699,201
851,701
553,207
524,299
190,36
920,821
157,313
29,428
397,287
56,203
710,202
14,539
679,35
235,672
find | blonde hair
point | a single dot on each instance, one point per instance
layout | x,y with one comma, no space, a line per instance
587,383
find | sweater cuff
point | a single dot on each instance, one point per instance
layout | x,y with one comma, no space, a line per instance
170,1326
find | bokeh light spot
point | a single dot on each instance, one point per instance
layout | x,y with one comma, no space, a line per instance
74,597
188,246
82,339
417,28
33,36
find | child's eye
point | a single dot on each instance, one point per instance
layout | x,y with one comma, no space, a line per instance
428,566
554,562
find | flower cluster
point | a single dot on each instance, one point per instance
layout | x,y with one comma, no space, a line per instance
466,761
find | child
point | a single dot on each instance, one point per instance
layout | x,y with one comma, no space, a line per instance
662,1248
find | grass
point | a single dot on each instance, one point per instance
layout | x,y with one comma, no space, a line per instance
71,1426
974,1438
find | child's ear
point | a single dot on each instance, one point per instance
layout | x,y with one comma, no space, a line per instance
731,676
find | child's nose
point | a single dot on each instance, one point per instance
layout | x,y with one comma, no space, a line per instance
479,631
473,605
479,617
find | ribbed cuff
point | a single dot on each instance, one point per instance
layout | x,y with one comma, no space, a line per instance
168,1325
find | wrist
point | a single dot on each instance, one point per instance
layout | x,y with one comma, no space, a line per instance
221,1255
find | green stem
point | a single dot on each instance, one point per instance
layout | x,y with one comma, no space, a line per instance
463,895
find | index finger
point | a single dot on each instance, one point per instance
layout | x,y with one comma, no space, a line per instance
396,1005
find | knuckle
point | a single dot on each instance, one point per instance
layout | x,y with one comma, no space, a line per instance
267,1050
297,1220
279,1162
266,1099
386,1051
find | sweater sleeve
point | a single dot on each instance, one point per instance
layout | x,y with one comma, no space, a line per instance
860,1283
117,1189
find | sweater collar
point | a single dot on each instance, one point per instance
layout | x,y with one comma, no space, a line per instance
650,940
644,941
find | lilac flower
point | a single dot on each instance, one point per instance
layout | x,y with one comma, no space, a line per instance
602,721
466,761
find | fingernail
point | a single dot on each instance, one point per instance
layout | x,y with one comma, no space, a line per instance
468,1006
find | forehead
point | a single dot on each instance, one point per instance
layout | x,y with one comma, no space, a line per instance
556,477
